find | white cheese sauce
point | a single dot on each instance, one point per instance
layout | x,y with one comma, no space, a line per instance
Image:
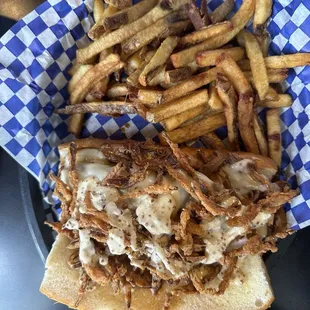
87,249
116,241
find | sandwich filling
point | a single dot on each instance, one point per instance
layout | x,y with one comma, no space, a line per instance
144,215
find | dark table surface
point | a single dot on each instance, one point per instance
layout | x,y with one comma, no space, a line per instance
22,255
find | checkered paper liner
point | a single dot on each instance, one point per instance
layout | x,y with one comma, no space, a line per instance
36,53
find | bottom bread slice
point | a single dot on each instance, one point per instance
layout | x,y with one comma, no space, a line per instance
61,284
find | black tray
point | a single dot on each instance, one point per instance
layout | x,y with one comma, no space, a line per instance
289,268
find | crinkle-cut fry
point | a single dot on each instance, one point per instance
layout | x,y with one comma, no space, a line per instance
160,57
147,35
99,9
274,75
128,15
195,130
212,141
120,4
274,135
257,64
229,98
215,101
208,58
109,65
283,101
177,75
206,33
118,90
162,9
80,71
239,20
178,106
260,135
245,118
98,91
176,120
262,13
133,79
234,74
104,108
222,11
190,85
194,15
149,97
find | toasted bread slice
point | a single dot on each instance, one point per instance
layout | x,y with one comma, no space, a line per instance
61,284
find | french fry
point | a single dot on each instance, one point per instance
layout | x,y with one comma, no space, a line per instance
280,62
206,33
178,106
204,12
222,11
177,75
274,75
160,58
104,108
245,119
257,64
283,102
120,4
240,38
79,73
128,15
156,76
74,68
193,131
194,15
212,141
272,95
229,98
264,42
98,29
208,112
215,102
260,136
133,79
176,120
133,63
261,14
208,58
109,65
234,74
239,20
75,124
150,98
118,90
189,85
98,91
98,10
105,53
274,135
162,9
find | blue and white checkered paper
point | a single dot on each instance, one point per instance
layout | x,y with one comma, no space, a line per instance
36,53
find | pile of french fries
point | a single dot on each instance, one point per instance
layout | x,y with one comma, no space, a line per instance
192,71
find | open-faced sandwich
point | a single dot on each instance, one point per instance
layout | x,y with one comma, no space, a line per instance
147,226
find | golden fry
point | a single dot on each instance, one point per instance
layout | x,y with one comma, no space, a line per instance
189,85
156,76
272,95
208,58
257,64
260,136
215,102
176,120
177,75
133,63
206,33
80,71
239,20
178,106
74,68
274,135
229,99
160,58
118,90
283,102
127,31
98,91
195,130
98,10
264,42
120,4
212,141
261,14
150,98
274,75
194,15
222,11
109,65
234,74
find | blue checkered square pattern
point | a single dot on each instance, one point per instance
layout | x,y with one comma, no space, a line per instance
36,53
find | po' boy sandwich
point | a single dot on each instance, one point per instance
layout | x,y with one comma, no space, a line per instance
147,226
